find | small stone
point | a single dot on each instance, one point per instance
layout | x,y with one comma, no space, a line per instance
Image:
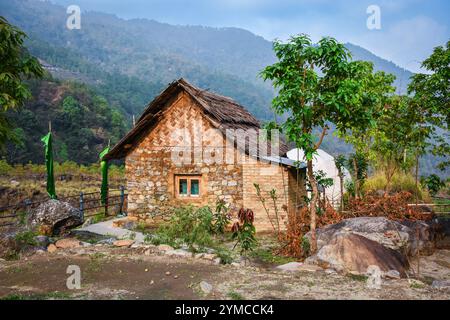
40,251
374,277
42,241
290,266
206,287
147,252
68,243
123,243
330,271
209,256
164,247
217,261
441,285
146,270
392,274
167,273
199,255
86,244
175,277
51,248
178,253
152,282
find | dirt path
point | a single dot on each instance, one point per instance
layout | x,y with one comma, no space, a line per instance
112,273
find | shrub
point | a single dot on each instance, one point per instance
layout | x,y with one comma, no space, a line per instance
221,217
394,207
400,182
189,224
25,238
433,183
244,231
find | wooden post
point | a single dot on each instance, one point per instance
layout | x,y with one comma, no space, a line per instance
122,199
106,202
82,204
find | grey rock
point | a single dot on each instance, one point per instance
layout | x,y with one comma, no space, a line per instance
55,217
352,253
206,287
392,274
391,234
42,241
290,266
374,277
178,253
441,285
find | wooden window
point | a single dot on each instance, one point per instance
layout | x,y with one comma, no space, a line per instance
188,186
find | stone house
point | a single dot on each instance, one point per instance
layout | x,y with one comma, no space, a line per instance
194,146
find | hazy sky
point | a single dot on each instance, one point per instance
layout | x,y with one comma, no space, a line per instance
409,28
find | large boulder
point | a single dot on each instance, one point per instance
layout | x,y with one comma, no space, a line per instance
352,253
55,217
406,237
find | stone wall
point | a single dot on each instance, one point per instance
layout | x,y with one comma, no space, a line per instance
151,171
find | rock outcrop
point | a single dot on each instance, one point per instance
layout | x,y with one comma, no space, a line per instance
406,237
55,217
352,253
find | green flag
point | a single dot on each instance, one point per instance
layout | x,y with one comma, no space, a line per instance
104,169
47,140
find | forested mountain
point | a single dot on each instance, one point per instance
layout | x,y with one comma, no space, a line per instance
125,63
82,122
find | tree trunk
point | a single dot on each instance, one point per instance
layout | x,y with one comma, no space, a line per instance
312,205
417,178
341,181
355,169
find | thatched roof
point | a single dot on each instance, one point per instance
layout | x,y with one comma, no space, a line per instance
223,112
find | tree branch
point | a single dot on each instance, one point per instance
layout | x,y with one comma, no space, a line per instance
322,135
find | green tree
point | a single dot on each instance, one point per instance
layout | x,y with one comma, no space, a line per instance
317,84
15,66
430,105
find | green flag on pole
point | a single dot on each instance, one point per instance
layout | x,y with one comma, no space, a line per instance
104,169
47,140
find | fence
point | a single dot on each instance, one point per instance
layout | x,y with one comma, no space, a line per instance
88,203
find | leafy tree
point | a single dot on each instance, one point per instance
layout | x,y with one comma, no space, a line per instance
431,106
15,65
317,84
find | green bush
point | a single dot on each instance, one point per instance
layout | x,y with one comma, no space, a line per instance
25,238
221,217
433,183
5,168
190,225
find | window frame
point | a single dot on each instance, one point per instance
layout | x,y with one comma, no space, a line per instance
189,178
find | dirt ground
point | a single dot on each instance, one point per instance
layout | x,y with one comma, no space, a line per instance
117,273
